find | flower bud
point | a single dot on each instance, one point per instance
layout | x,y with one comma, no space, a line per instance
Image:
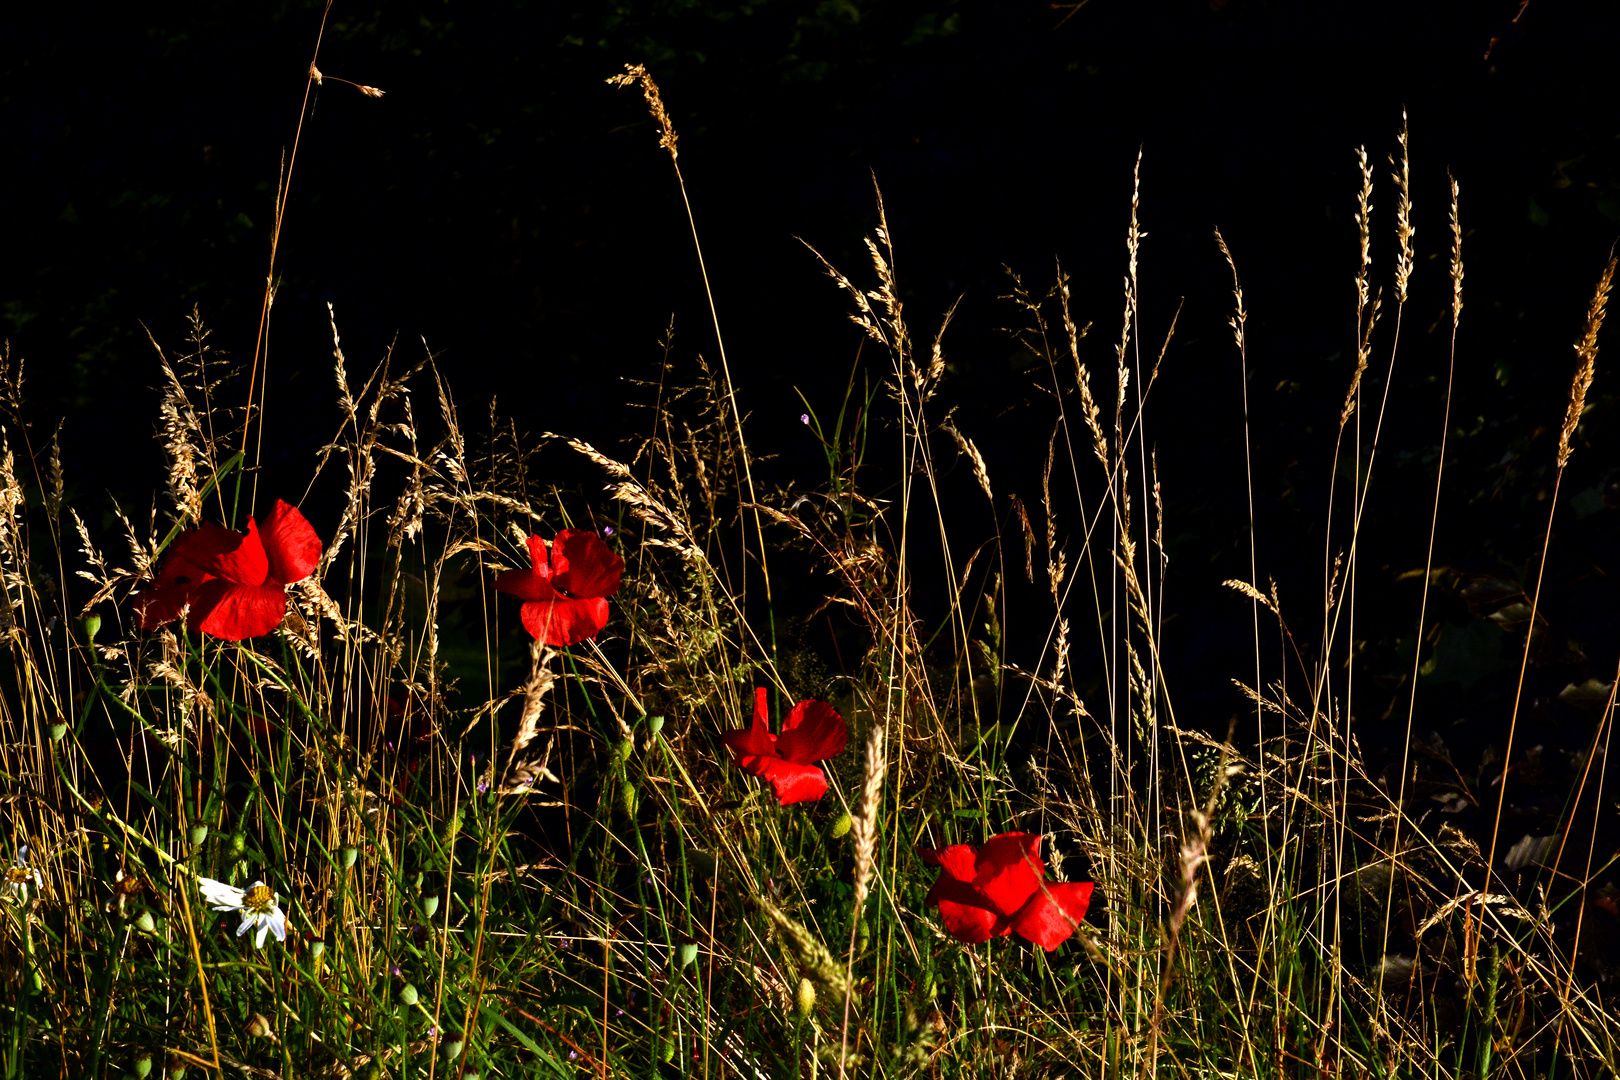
805,999
625,749
349,855
841,826
90,625
237,845
627,798
430,904
655,724
686,953
199,833
317,949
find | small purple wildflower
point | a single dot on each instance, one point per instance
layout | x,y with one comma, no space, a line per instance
573,1055
804,418
607,530
393,969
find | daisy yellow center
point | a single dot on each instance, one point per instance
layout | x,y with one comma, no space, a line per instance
16,875
258,898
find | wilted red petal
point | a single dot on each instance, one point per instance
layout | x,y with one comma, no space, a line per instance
233,612
755,740
969,924
247,563
564,622
1009,870
792,781
290,544
582,565
1047,922
813,731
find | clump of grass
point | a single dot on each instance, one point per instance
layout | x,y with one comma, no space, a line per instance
502,859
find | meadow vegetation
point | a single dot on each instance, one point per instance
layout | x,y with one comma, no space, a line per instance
490,851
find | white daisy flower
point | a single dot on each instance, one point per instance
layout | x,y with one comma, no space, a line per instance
19,876
257,903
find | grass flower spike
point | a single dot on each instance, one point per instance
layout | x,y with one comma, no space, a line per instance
999,888
231,585
812,732
257,904
565,595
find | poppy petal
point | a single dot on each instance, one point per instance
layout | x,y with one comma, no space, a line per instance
1050,922
1009,870
969,924
246,563
233,612
813,731
755,740
793,781
562,622
526,584
158,606
583,565
290,544
194,552
958,860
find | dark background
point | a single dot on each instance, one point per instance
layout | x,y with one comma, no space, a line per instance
504,204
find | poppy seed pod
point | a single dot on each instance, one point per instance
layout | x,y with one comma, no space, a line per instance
686,953
199,833
408,995
143,1066
430,904
805,999
655,724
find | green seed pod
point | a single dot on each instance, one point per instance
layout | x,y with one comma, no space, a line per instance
452,1048
686,953
199,833
841,826
430,904
627,798
863,935
655,724
805,999
90,626
144,921
143,1066
317,949
58,732
408,995
177,1072
349,855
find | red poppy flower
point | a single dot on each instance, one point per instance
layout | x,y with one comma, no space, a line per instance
565,595
233,585
812,732
998,888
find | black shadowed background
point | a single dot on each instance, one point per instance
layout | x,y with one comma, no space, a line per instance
507,207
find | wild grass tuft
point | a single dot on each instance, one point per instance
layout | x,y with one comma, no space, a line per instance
499,858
